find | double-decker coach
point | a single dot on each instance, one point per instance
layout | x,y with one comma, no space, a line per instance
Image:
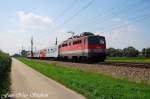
46,53
49,53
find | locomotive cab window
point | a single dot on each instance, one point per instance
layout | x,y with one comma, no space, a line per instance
69,43
96,40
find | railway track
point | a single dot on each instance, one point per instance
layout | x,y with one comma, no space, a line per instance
127,64
133,71
124,64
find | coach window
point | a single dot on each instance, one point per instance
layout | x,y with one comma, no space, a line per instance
80,41
76,42
73,42
66,44
69,43
84,41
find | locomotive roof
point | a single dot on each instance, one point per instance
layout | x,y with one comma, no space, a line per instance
84,34
79,36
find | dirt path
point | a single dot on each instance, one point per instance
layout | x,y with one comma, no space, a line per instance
29,84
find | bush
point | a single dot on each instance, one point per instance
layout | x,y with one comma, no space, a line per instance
112,52
128,52
5,68
146,52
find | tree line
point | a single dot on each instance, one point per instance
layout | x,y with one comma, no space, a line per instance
128,52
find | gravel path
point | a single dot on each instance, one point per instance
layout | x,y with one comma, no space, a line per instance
30,84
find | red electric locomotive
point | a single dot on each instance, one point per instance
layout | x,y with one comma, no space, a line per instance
86,46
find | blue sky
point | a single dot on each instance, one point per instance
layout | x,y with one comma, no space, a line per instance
46,19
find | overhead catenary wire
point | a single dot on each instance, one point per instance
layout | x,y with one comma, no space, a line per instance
71,5
115,27
75,14
106,12
134,21
121,10
130,18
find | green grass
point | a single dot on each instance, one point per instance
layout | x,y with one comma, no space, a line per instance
90,84
128,59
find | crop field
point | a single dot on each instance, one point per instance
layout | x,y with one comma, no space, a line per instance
91,84
128,59
5,66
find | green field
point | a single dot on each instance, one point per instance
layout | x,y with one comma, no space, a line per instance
128,59
91,84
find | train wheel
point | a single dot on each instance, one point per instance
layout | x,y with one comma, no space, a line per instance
75,59
83,59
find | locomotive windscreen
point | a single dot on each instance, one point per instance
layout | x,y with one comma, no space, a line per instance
96,40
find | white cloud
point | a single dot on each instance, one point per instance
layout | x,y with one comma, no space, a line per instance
40,27
32,22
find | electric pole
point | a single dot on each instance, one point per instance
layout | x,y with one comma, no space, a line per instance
32,47
56,41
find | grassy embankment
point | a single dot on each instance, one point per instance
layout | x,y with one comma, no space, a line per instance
128,59
91,84
5,68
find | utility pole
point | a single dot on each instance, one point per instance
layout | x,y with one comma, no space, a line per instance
22,47
56,41
32,47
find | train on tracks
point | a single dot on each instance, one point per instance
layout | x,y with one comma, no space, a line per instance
84,47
